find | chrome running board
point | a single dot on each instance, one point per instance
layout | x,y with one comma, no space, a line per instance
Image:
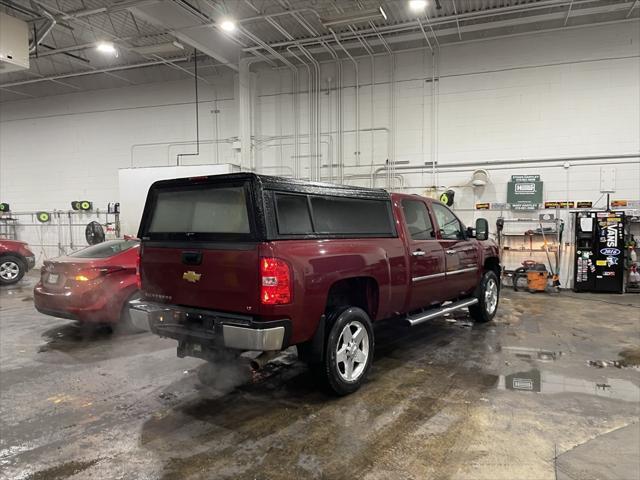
438,312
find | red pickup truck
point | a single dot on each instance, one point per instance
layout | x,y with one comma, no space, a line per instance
252,262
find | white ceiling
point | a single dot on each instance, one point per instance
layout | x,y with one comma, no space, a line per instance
144,32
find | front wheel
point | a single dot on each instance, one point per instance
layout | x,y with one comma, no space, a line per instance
12,269
348,352
488,295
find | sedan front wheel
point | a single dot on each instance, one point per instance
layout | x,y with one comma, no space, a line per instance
12,269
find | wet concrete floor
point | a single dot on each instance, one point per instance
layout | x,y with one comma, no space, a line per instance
549,390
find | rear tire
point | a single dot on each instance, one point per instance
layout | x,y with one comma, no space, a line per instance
12,269
348,351
488,295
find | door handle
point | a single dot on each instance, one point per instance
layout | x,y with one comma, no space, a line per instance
451,252
418,253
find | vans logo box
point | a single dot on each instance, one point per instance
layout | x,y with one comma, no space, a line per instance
612,235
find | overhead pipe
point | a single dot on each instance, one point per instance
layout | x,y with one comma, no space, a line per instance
370,52
391,138
39,36
89,72
197,111
340,152
170,144
107,33
407,26
309,101
270,50
317,117
508,164
357,94
318,113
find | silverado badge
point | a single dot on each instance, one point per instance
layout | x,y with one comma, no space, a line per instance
191,276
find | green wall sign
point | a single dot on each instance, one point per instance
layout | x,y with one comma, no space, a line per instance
524,192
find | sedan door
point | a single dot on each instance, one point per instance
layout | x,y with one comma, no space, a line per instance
461,253
426,256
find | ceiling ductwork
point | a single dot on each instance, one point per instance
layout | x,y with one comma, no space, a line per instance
14,44
190,30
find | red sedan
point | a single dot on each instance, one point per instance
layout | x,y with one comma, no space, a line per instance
92,285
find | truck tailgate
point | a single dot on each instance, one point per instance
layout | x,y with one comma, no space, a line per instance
224,279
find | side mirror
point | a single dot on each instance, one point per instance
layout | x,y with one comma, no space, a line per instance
482,229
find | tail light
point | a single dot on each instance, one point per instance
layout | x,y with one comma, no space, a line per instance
276,281
138,276
89,274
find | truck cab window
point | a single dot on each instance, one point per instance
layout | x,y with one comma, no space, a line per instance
418,221
450,226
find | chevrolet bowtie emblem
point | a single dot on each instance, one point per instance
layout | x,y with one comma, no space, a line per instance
191,276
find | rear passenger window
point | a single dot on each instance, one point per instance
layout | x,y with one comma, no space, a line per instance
293,215
418,221
337,215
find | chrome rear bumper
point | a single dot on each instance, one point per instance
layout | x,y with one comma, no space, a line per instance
208,327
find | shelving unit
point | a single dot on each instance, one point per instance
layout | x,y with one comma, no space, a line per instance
534,242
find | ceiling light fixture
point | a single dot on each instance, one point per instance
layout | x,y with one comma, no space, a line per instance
228,25
107,47
417,5
382,12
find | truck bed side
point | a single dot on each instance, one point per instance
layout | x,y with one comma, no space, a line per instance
319,264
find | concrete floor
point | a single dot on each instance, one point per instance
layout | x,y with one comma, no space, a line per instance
515,399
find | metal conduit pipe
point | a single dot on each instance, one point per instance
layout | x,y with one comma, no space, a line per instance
453,19
369,51
340,152
328,143
297,57
315,159
270,50
357,94
260,142
40,36
508,164
333,54
330,133
295,86
170,144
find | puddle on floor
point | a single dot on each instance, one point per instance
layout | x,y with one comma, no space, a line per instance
528,353
535,380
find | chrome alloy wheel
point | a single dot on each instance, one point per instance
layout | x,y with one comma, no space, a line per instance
352,351
9,270
491,296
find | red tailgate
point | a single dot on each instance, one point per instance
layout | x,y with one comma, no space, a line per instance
225,279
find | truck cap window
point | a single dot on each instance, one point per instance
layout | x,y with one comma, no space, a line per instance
293,215
325,215
418,221
210,210
343,216
450,226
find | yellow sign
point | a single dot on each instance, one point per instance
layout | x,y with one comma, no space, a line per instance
601,263
191,276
